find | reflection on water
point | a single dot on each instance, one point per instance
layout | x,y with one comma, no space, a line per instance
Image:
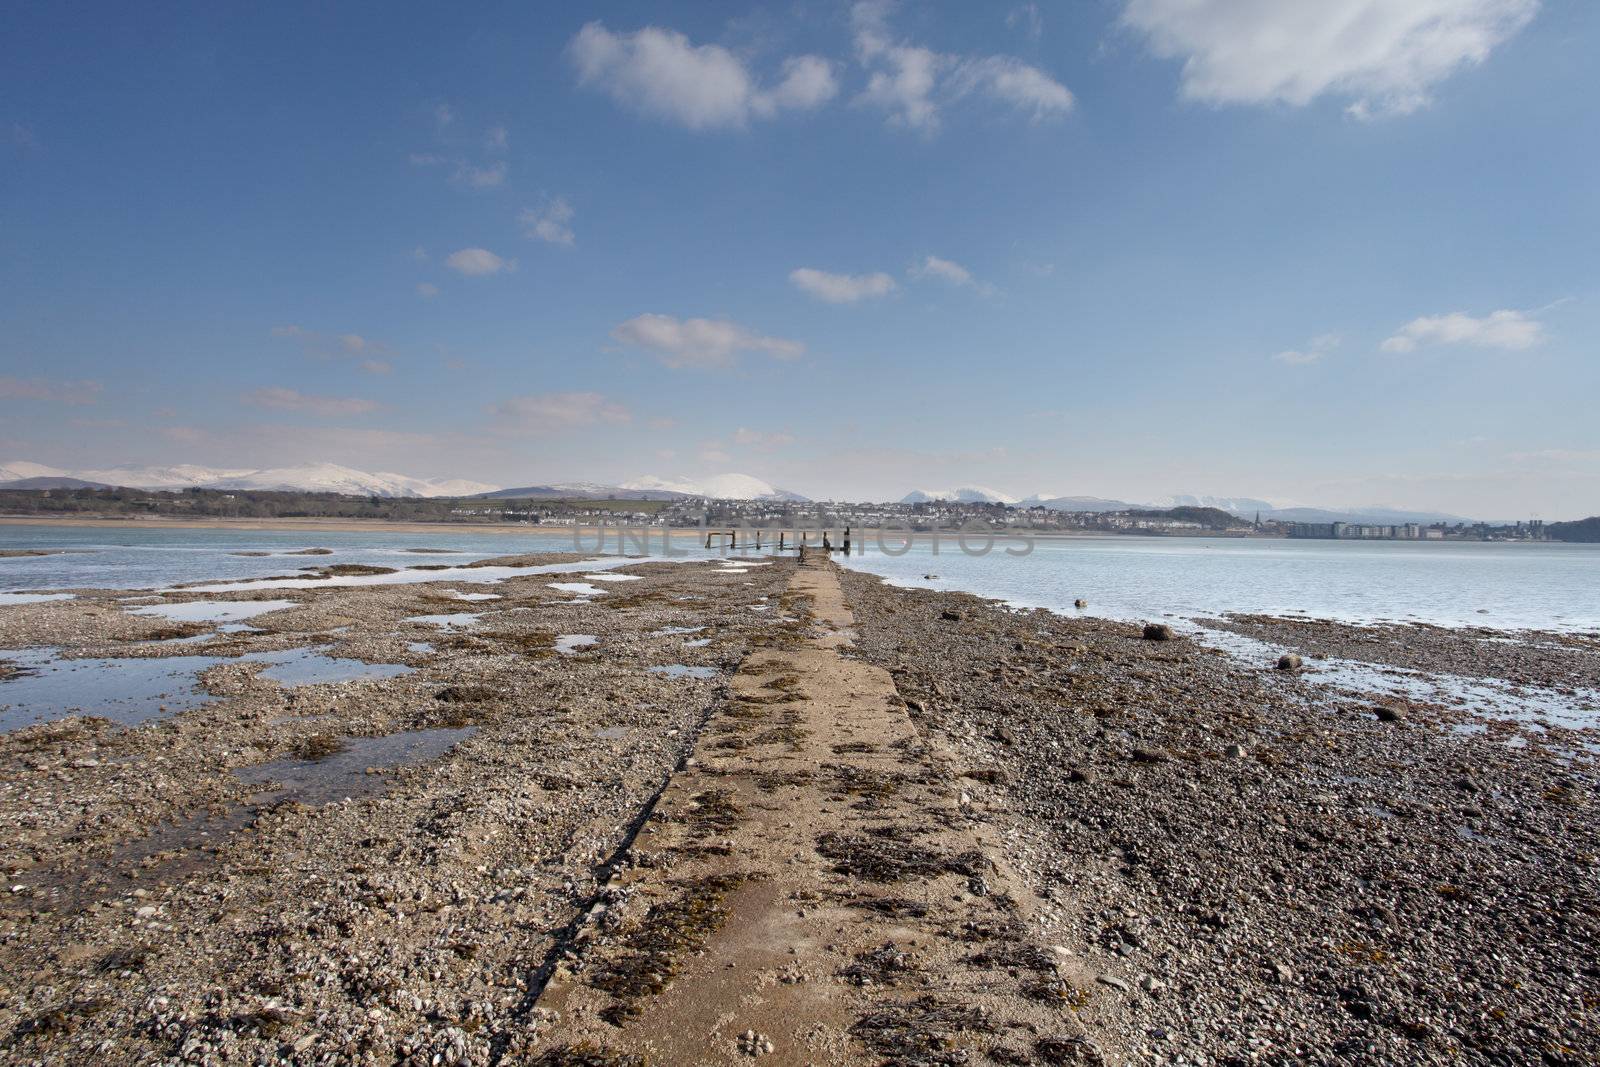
213,610
568,644
133,690
345,774
124,690
679,670
448,622
308,666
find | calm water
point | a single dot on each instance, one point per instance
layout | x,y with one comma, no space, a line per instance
1499,585
1510,586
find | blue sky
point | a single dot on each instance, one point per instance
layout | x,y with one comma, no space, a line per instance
1340,253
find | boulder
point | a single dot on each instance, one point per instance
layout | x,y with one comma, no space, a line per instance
1158,631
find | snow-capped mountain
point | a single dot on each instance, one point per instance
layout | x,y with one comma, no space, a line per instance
969,494
310,478
1073,503
719,487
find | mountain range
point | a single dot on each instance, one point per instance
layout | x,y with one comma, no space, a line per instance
719,487
333,478
310,478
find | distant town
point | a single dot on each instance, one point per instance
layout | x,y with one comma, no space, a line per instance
683,511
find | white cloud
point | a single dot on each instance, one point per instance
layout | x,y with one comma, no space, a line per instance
1511,330
808,82
700,343
79,393
281,399
427,290
934,267
841,288
443,115
1384,56
496,139
557,411
661,73
1318,347
551,222
911,83
477,262
375,366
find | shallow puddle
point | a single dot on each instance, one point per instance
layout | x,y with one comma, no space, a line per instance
344,774
568,644
680,670
33,598
213,610
583,589
610,733
669,631
127,691
459,595
133,690
421,648
448,622
613,577
308,666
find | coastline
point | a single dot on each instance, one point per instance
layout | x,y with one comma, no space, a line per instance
1199,847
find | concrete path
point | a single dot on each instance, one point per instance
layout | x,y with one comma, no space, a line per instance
813,887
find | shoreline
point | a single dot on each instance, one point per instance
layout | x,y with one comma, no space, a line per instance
655,533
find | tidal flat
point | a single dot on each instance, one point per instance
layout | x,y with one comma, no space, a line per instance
1194,856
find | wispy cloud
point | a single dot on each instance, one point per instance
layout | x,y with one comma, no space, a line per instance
1026,17
540,412
60,392
478,262
761,438
912,83
367,352
1506,329
1313,351
550,221
662,74
427,290
943,269
282,399
841,288
1384,57
700,343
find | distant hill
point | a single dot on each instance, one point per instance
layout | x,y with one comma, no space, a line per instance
52,483
718,487
1074,503
971,494
579,491
1586,531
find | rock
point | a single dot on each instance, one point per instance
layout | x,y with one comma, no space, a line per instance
1080,774
1288,662
950,616
1388,713
1158,631
1149,755
1151,984
1282,972
1113,981
1080,603
1235,752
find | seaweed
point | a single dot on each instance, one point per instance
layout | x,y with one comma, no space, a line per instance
883,859
670,932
